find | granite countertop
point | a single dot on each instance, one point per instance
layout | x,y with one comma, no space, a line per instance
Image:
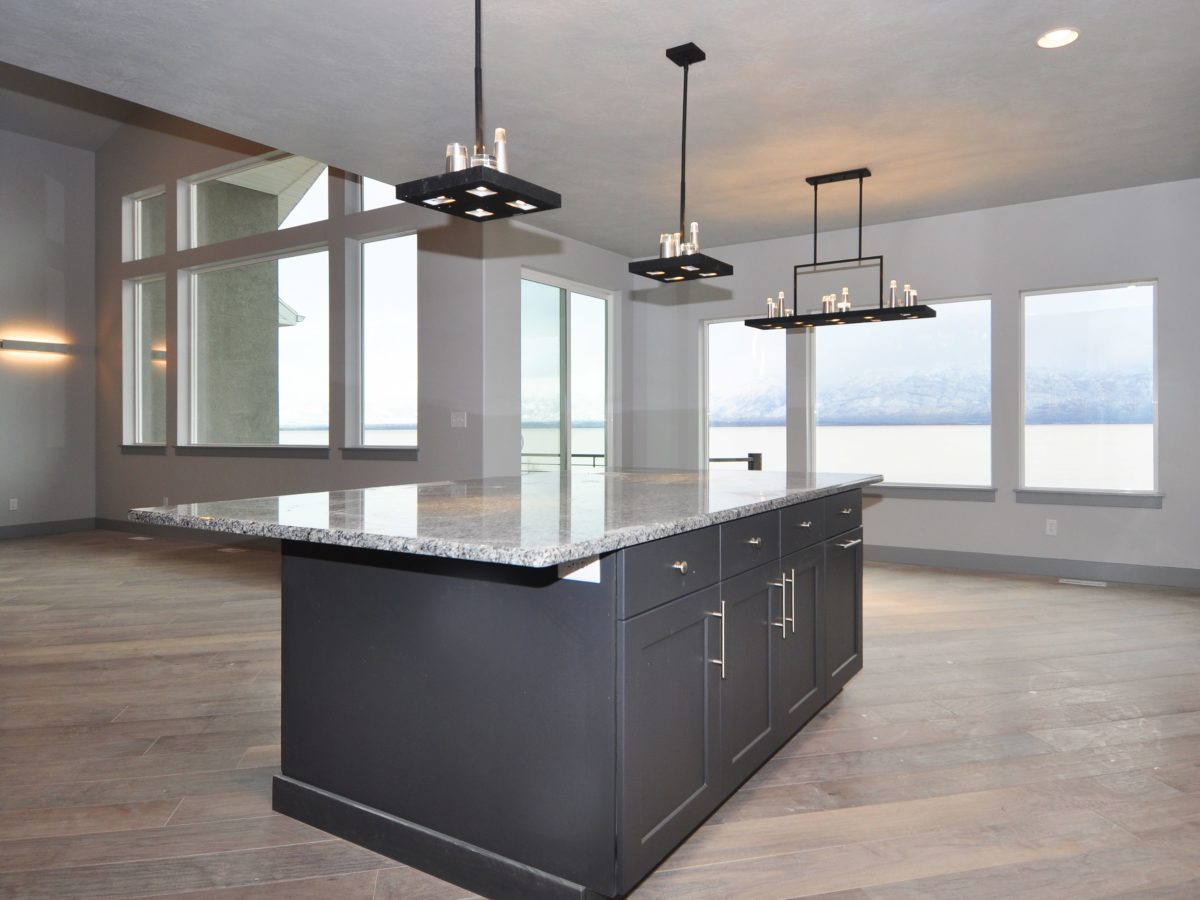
535,520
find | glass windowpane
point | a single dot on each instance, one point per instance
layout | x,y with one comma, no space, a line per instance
260,348
747,396
1089,389
279,194
910,400
389,342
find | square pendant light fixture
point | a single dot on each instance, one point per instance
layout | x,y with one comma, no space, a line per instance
679,256
477,186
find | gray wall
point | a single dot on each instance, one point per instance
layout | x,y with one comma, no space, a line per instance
47,412
1112,237
469,290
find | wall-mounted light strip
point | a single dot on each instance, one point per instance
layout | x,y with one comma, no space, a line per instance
158,355
39,346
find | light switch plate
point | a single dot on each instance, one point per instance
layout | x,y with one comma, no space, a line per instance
458,419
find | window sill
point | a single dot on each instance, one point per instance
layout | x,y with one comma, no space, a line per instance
1051,497
978,494
380,452
144,449
279,451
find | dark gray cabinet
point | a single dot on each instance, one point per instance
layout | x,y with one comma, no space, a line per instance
798,678
669,727
842,607
750,604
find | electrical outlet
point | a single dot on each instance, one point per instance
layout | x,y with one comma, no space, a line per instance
13,504
1052,527
458,419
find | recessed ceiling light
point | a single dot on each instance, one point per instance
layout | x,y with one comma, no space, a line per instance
1057,37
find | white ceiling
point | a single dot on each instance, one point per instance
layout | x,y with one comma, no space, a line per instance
947,101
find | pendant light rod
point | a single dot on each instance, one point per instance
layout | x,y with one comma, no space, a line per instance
478,77
683,157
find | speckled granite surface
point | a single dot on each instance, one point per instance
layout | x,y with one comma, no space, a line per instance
532,520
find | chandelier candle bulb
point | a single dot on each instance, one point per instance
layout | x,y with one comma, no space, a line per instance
694,237
912,298
456,157
500,149
827,303
664,246
770,308
892,293
844,303
907,301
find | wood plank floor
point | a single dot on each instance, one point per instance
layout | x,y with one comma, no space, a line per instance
1009,737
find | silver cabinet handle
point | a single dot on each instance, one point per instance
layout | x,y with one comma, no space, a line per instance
849,544
682,566
754,541
793,583
847,511
782,626
804,524
720,615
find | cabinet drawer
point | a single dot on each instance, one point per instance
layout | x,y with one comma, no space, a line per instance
749,542
670,567
801,526
843,512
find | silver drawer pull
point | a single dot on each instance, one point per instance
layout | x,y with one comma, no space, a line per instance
847,511
849,544
804,524
682,566
754,541
720,615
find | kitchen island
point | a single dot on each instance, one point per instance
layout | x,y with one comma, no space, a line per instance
538,686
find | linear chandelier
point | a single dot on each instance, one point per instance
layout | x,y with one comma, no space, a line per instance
837,310
679,257
476,185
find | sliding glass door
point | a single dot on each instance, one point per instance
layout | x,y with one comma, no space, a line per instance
564,378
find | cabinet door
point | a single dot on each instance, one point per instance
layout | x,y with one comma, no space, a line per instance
668,718
798,680
842,609
750,603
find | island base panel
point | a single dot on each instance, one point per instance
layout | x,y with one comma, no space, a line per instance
440,855
471,700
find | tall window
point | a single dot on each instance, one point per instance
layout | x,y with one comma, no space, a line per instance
1089,401
264,197
146,366
747,396
564,378
259,353
911,399
389,342
377,194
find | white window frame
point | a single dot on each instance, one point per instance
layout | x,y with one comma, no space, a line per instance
1088,496
611,376
187,424
131,223
355,417
131,364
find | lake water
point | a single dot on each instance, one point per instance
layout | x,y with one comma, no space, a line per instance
1084,457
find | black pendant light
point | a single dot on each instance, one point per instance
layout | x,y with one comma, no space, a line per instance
838,311
476,184
679,257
